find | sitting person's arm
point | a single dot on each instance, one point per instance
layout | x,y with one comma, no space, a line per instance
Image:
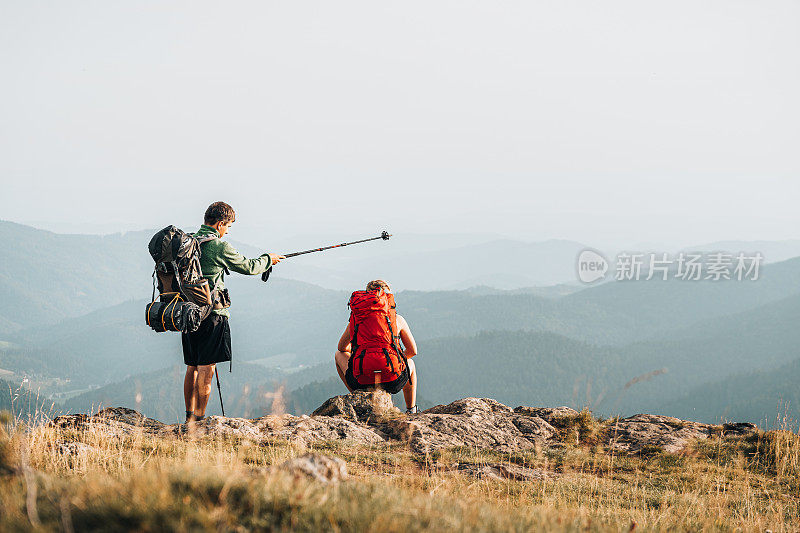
238,263
409,345
344,341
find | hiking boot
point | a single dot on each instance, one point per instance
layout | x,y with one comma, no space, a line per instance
193,418
412,410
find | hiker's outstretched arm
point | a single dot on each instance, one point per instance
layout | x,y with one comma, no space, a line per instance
238,263
344,341
409,344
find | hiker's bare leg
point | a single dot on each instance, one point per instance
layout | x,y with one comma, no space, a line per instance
202,391
342,360
188,387
410,389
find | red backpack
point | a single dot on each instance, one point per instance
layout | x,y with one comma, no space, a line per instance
377,357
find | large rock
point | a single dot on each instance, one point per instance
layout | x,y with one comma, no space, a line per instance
318,467
310,429
473,422
114,421
360,406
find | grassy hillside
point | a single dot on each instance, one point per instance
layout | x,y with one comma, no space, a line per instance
60,479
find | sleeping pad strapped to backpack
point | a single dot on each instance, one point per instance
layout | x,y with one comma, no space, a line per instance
376,354
185,298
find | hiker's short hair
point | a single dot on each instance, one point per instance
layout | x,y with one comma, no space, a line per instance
219,212
376,284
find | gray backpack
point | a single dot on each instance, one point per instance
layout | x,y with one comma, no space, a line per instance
184,296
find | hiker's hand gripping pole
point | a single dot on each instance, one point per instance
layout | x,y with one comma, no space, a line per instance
384,236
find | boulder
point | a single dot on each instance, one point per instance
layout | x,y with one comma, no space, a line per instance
311,429
360,406
666,433
474,422
115,421
73,448
130,417
315,466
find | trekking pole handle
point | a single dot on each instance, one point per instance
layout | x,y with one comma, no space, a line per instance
384,236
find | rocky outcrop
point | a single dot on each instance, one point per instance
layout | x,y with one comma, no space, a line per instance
303,429
359,407
665,433
115,421
472,422
369,418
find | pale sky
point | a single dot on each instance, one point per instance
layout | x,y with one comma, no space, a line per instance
604,122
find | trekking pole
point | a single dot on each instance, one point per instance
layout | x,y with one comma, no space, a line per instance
384,235
219,389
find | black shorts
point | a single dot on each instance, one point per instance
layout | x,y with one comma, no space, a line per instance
392,387
210,344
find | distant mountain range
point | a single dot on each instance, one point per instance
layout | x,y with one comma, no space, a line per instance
769,398
50,277
73,326
543,368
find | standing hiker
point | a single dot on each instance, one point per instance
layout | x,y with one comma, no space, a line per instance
370,354
211,343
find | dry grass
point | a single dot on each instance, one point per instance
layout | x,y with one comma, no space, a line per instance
148,483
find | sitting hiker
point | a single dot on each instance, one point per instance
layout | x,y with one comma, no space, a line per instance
370,354
211,343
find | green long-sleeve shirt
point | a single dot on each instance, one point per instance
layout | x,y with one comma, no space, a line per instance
218,255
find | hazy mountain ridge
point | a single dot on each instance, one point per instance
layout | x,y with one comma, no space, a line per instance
764,397
605,335
532,368
50,276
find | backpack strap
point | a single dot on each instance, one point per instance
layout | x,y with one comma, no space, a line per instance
354,340
205,238
389,362
154,286
177,276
